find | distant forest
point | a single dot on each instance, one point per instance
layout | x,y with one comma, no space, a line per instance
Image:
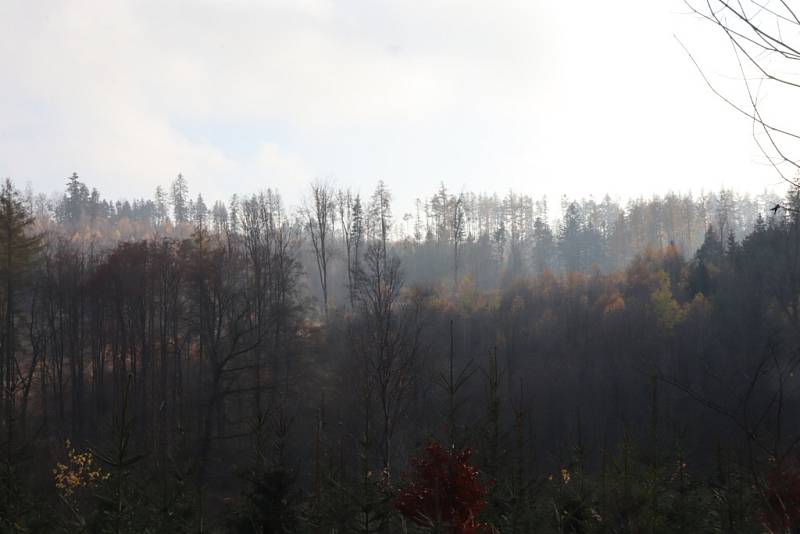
481,364
495,238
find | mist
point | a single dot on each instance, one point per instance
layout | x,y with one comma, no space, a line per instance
339,267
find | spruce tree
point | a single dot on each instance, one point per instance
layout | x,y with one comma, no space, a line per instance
180,199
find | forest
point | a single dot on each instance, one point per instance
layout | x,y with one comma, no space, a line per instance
479,364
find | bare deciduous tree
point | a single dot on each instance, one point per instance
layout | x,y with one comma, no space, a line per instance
351,217
458,235
765,41
320,217
387,340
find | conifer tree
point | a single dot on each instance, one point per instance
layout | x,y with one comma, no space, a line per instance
180,199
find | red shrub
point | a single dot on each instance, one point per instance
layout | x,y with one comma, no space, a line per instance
783,497
444,487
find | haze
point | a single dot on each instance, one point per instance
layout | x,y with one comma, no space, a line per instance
576,98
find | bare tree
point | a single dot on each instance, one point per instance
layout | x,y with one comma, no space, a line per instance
458,236
387,340
380,212
269,244
254,223
320,218
223,336
765,41
351,219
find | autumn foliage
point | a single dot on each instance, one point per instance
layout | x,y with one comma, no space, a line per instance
444,489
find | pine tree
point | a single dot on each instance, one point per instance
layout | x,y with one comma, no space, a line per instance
75,200
712,250
569,238
179,197
731,246
200,213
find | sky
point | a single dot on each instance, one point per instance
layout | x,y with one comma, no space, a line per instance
581,98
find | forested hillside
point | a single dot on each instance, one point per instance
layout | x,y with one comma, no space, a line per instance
482,363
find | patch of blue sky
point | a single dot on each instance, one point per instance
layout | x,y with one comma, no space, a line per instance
237,139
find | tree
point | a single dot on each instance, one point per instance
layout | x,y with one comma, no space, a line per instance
765,38
75,201
180,199
444,492
94,206
386,337
442,218
320,218
380,215
200,213
161,212
569,239
223,331
18,248
712,249
458,235
351,219
544,246
219,216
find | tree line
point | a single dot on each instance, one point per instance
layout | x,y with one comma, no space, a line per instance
447,235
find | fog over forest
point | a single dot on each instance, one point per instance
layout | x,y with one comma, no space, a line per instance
172,362
248,346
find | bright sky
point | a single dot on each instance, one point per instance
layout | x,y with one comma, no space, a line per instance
545,97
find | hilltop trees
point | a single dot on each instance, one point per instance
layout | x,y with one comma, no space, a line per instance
489,239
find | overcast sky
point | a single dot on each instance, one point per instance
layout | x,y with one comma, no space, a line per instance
545,97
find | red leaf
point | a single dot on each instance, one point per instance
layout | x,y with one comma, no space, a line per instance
444,486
